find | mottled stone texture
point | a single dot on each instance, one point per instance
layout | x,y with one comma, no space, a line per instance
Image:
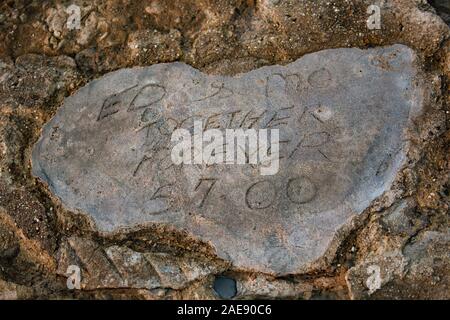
343,116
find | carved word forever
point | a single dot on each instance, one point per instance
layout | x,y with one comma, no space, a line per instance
219,149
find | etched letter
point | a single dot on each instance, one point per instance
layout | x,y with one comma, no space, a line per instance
198,142
269,162
213,152
242,136
181,152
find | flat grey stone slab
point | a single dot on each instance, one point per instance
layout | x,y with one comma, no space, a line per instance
343,116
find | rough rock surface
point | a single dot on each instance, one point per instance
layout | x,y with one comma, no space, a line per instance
342,117
397,248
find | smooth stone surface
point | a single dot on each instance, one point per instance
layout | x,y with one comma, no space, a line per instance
225,287
343,115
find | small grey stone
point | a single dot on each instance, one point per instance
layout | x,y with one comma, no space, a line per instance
225,287
343,117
